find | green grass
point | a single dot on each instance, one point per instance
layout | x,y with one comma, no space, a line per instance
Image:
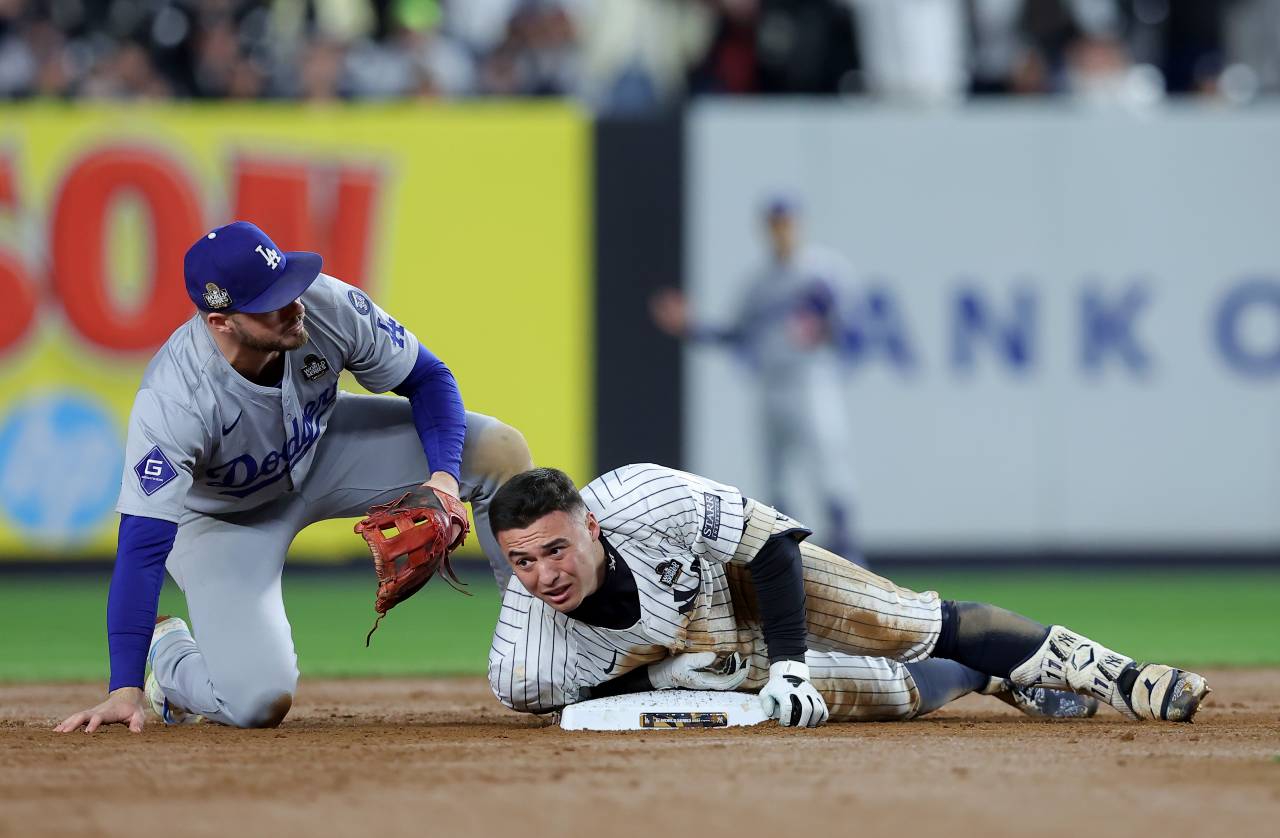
52,628
55,629
1187,617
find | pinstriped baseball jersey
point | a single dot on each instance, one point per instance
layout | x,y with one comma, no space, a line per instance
686,541
203,437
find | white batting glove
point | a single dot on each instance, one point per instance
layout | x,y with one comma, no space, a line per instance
698,671
790,698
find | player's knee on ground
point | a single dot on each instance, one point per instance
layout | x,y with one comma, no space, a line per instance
263,709
502,453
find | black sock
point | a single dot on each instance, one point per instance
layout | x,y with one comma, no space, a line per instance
986,637
941,682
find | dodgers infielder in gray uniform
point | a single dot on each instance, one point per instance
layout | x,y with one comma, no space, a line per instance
789,329
622,586
239,437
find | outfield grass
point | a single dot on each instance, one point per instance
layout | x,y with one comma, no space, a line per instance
52,628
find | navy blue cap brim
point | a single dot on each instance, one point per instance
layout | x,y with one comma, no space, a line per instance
300,270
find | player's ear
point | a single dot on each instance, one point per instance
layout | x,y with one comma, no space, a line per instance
593,526
217,321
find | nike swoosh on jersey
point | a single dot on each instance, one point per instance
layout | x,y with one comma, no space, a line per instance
226,429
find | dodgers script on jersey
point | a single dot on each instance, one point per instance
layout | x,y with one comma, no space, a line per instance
204,438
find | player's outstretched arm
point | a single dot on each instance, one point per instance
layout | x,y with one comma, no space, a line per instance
144,545
669,310
439,417
681,671
122,706
698,671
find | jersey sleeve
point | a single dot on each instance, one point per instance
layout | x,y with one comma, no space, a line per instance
165,441
531,662
831,295
379,351
734,332
697,514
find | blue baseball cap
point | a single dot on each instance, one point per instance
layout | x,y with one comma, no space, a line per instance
237,267
781,205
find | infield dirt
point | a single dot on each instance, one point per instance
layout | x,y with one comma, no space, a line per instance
441,757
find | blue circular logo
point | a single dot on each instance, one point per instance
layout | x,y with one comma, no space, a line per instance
358,301
60,465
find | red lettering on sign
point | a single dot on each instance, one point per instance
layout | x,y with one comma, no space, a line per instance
324,208
79,247
8,189
17,291
19,295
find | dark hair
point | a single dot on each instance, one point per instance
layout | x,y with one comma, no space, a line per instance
530,495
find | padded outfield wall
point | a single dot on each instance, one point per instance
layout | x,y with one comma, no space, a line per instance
1069,319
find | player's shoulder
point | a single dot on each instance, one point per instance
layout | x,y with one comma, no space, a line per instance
824,262
628,476
644,485
330,293
179,370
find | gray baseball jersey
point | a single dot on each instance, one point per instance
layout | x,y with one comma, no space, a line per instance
204,438
816,280
243,468
800,385
687,541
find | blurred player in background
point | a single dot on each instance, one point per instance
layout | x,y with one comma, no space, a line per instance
790,331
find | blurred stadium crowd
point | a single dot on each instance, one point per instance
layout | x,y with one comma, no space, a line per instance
636,56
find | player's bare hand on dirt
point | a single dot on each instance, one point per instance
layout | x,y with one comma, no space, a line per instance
670,311
790,698
698,671
123,706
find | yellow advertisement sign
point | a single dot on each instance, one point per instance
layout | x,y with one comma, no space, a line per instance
470,224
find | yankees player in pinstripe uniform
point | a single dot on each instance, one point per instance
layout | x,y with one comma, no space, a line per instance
641,579
239,438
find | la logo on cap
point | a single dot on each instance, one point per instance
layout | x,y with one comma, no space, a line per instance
270,254
236,267
216,298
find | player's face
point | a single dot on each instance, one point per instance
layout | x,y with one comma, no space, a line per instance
558,558
276,331
783,234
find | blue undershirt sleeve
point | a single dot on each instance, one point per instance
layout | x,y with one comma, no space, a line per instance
438,413
143,546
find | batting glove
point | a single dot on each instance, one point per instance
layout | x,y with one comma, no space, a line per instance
790,698
698,671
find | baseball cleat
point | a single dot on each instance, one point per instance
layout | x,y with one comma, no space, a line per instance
1041,702
1044,703
1166,693
168,713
